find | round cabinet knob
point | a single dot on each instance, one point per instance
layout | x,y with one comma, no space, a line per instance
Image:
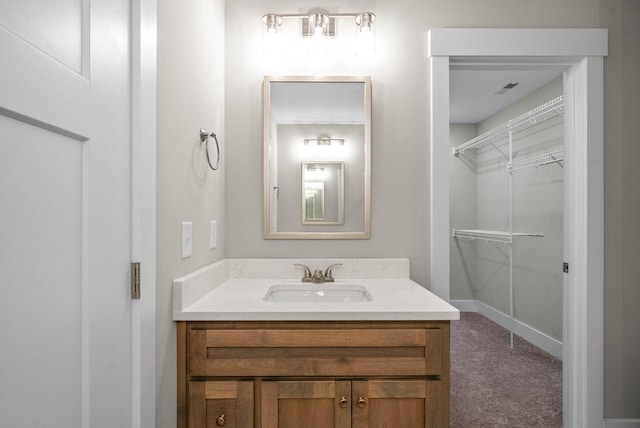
361,402
343,401
221,421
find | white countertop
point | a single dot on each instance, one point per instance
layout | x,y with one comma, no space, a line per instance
242,299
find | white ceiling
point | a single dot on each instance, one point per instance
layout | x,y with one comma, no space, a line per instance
473,95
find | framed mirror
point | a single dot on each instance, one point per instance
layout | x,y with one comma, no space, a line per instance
317,157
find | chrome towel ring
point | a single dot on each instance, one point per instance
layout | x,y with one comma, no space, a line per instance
204,138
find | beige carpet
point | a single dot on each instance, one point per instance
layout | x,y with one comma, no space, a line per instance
493,385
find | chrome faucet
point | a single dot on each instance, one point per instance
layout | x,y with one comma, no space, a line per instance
328,273
318,277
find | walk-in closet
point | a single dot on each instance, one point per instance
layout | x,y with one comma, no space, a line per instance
506,215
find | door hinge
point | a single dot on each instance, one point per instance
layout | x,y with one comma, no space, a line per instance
135,280
565,267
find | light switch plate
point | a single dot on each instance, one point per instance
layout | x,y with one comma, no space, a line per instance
213,234
187,239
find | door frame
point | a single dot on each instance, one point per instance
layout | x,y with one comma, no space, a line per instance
580,52
143,42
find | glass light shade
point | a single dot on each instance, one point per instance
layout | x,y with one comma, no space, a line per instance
364,21
366,45
366,36
272,22
318,46
271,38
319,23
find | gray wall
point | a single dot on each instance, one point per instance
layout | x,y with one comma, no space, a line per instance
399,149
190,97
463,214
400,185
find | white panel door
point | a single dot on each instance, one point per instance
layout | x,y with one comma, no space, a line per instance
65,311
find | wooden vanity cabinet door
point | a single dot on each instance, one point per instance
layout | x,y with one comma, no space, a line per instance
308,404
398,404
214,404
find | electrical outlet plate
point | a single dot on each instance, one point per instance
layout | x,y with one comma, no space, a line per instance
213,234
187,239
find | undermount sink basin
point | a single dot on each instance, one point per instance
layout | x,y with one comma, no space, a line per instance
317,293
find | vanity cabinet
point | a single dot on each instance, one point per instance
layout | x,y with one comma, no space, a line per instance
313,374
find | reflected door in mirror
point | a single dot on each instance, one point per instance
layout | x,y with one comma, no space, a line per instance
323,192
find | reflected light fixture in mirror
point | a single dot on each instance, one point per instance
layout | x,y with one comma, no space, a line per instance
318,28
324,140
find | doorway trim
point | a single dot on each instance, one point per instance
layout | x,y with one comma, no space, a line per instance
143,44
580,52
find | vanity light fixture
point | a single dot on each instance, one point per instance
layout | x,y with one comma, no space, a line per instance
324,140
320,25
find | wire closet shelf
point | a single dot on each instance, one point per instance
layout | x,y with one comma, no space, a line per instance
515,126
492,235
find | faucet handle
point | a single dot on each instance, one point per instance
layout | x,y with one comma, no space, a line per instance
328,274
307,272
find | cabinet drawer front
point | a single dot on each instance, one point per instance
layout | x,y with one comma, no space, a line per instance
316,352
314,338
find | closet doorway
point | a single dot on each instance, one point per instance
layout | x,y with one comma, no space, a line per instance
506,199
578,54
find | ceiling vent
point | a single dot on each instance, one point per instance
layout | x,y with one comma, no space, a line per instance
505,88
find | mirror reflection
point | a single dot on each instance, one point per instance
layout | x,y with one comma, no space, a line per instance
313,209
317,139
323,193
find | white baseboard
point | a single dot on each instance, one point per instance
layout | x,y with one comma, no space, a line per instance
530,334
621,423
466,305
